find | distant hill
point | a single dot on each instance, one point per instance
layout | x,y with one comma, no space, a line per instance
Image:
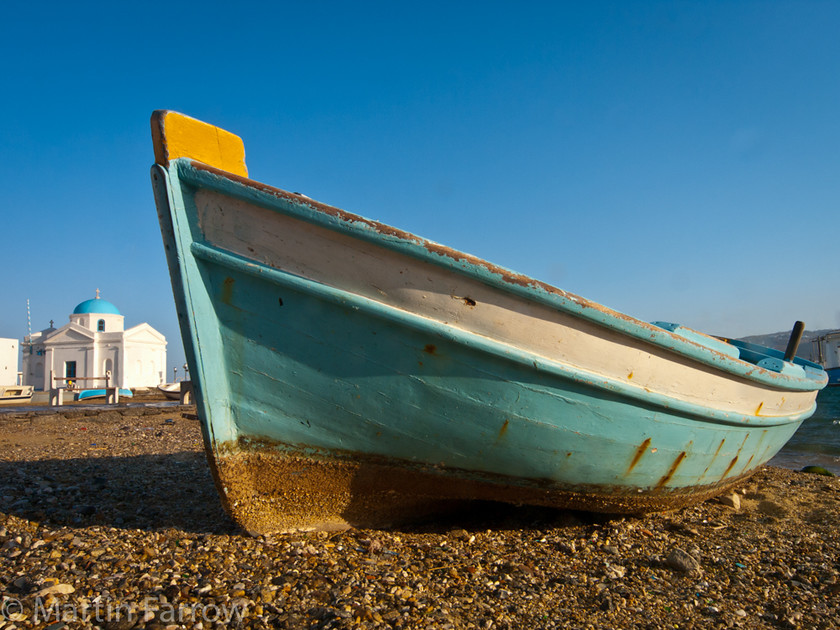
779,340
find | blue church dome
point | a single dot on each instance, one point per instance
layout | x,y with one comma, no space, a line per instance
96,305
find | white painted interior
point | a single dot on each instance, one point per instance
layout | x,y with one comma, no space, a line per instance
406,283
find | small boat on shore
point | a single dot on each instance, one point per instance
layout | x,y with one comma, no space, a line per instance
92,394
349,373
826,352
171,390
11,394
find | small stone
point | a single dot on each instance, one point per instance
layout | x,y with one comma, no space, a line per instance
731,500
56,589
615,572
683,561
22,583
569,548
741,612
608,604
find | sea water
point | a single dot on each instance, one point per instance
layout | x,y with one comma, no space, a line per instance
817,442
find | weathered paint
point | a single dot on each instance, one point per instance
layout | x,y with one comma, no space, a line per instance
372,362
176,136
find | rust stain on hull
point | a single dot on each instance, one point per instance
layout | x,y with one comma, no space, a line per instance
730,467
227,290
714,457
639,452
667,476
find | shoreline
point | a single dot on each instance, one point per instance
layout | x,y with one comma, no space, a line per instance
115,510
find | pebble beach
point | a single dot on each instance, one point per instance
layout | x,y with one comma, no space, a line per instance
109,519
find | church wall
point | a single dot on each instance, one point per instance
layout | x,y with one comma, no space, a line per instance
110,322
146,365
60,356
109,358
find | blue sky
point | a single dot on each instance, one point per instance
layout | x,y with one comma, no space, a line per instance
676,161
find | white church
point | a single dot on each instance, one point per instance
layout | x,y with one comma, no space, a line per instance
95,344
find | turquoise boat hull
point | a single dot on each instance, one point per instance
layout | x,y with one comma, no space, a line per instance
325,405
89,394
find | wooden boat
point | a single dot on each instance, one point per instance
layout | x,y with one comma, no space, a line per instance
11,394
171,390
347,372
91,394
826,352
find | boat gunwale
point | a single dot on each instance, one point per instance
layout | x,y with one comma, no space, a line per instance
200,175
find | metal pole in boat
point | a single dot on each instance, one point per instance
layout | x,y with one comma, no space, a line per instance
793,342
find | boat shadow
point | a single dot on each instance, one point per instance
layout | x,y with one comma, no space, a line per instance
474,516
407,501
176,491
148,492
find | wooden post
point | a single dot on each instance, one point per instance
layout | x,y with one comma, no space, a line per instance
186,392
56,396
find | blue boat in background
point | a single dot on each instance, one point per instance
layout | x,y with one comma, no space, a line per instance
349,373
90,394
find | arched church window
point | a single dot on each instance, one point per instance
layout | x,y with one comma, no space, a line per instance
100,326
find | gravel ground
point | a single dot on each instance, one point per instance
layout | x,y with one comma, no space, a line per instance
109,518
